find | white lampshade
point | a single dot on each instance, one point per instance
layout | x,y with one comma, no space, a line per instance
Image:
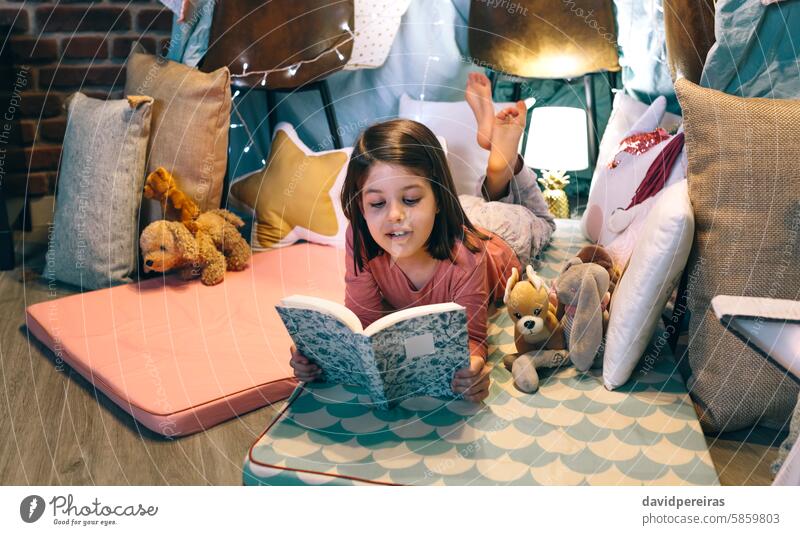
557,139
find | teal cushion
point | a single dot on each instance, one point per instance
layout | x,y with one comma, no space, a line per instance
100,182
756,50
643,51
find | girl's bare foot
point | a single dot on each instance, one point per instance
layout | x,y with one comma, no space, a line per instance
507,129
479,97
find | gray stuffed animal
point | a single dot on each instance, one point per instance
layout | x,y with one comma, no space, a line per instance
583,291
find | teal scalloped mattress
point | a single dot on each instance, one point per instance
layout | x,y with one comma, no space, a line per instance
571,432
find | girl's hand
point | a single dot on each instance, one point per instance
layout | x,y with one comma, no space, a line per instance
472,382
185,7
304,370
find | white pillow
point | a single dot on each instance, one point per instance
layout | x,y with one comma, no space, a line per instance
653,272
455,122
605,220
625,113
614,188
376,24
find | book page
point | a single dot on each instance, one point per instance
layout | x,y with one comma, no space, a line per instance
408,313
338,311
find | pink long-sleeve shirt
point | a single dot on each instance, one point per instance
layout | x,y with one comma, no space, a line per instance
473,280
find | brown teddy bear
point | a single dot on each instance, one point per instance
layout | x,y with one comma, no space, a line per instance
201,244
161,186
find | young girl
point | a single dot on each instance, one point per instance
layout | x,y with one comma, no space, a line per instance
410,242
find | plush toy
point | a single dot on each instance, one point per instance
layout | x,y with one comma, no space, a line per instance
597,254
583,290
572,328
537,333
201,244
161,186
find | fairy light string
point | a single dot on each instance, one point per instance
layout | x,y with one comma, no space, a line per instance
291,70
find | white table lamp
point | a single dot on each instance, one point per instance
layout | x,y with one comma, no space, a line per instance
558,139
557,143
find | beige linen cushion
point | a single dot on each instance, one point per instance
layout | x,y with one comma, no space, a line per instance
744,184
189,131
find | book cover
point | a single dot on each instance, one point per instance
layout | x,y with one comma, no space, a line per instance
413,352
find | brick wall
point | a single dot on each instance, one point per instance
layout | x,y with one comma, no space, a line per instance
49,50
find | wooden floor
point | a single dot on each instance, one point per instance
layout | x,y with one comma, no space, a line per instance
57,430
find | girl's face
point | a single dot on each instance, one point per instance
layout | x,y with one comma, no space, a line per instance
399,208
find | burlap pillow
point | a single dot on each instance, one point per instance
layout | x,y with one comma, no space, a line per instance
189,134
744,184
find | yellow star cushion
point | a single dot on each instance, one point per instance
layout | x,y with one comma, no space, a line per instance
296,196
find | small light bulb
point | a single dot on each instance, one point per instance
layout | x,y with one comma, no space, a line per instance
345,26
245,67
264,80
236,94
293,70
247,149
263,161
341,57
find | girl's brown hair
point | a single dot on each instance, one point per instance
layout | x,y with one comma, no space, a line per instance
411,145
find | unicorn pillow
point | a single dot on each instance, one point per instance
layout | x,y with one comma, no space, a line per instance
625,188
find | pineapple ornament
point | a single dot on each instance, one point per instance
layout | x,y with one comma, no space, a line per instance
554,183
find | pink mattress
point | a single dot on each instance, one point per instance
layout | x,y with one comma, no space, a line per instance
181,357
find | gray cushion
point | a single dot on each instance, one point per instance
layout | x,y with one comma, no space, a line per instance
100,183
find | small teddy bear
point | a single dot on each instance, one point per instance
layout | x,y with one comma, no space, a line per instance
202,244
537,332
161,185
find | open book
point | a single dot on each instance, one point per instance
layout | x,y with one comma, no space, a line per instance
412,352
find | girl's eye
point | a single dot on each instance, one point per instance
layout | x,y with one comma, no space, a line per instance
411,202
377,204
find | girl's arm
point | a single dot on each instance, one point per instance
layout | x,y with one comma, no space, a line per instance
362,294
470,291
472,381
